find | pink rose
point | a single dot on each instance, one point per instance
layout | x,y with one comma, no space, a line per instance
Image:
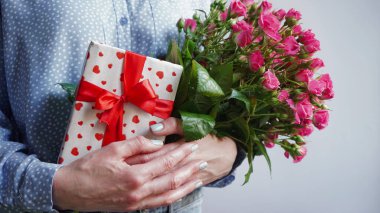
266,6
290,45
270,81
316,87
328,93
302,151
316,64
294,14
305,131
223,15
304,109
297,30
242,26
256,60
313,47
311,43
304,75
190,24
237,8
270,25
321,119
244,36
269,143
283,95
280,14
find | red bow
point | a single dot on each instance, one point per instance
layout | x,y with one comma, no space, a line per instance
138,93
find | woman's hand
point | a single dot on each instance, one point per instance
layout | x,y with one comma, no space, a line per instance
104,181
219,153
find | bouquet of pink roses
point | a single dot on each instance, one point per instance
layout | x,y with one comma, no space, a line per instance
249,74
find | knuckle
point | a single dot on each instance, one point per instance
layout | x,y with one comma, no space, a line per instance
169,162
133,198
141,140
135,181
175,181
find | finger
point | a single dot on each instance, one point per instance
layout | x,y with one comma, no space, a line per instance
171,196
134,146
169,126
146,157
174,179
166,162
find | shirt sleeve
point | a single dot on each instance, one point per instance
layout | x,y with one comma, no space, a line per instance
25,181
228,179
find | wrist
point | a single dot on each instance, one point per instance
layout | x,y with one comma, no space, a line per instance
59,189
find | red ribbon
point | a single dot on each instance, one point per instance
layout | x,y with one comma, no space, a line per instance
138,93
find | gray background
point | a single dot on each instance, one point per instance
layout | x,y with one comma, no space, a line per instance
341,171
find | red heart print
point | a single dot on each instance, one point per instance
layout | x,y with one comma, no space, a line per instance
92,125
80,136
60,160
89,148
169,88
149,68
96,69
66,137
104,82
78,106
174,74
100,54
75,151
114,90
120,55
99,136
133,131
124,124
80,123
157,85
152,123
160,74
110,66
136,119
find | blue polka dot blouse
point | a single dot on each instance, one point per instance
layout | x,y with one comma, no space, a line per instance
43,43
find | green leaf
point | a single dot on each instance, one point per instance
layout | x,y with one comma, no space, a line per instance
196,126
222,74
263,150
241,97
70,90
206,85
174,53
250,158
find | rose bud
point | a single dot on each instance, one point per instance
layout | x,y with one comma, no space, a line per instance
321,119
256,60
328,93
316,64
280,14
270,81
283,95
190,24
237,8
302,151
293,14
290,45
316,87
304,75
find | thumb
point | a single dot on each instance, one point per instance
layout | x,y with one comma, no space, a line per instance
169,126
135,146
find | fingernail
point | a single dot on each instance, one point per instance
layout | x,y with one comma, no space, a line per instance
157,142
198,184
203,165
194,147
157,127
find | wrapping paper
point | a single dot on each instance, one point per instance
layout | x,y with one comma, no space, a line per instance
104,68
